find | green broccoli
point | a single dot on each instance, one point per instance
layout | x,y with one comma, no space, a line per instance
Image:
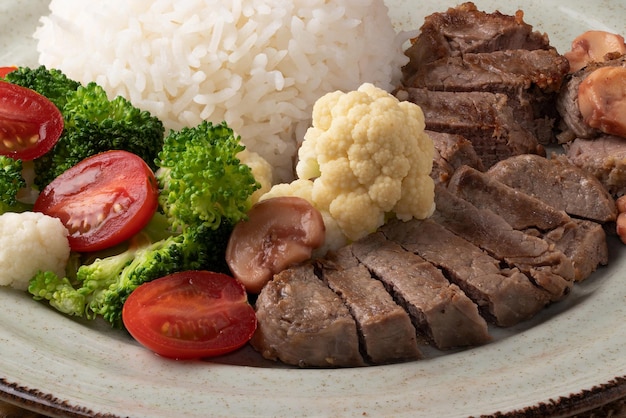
201,178
11,182
51,83
204,191
93,123
102,287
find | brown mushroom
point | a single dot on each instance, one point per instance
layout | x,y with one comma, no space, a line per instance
279,232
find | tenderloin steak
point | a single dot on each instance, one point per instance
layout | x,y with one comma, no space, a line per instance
439,309
385,329
584,243
303,323
451,152
505,296
604,157
549,267
559,183
465,29
486,119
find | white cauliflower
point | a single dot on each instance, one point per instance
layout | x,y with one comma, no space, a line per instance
29,242
366,156
261,170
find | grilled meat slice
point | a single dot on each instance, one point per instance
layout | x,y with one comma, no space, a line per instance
530,79
302,322
486,119
506,71
581,242
438,309
385,328
465,29
550,268
519,209
559,183
585,244
505,296
451,152
604,157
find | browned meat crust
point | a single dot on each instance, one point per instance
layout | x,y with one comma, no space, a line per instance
484,118
465,29
572,125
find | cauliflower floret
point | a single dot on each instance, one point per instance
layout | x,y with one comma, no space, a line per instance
366,156
261,170
30,242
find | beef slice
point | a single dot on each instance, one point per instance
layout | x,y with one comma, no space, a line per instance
439,309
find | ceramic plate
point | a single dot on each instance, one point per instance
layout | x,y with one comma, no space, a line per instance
568,358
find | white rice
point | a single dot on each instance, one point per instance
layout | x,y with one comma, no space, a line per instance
257,64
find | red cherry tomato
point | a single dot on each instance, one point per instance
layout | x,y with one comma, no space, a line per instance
103,200
190,315
30,124
6,70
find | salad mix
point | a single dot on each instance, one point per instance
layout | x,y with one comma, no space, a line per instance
137,204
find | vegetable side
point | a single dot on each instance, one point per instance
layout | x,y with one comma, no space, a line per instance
204,189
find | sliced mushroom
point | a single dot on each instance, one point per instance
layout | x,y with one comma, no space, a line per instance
279,232
602,100
594,46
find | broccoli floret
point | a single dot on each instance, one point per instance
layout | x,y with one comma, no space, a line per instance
102,287
59,291
50,83
204,191
11,182
95,124
201,178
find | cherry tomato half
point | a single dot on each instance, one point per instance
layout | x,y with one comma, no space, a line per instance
6,70
103,200
190,315
30,124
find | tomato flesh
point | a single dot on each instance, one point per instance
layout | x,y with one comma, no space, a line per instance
103,200
6,70
190,315
30,124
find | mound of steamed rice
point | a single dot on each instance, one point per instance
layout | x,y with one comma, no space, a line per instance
259,65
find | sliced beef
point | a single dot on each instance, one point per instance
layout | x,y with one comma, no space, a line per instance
385,328
572,124
603,157
451,152
465,29
550,268
585,244
529,78
486,119
520,210
559,183
440,310
582,242
506,71
505,296
302,322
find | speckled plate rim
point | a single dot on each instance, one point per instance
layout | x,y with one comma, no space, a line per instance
568,359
